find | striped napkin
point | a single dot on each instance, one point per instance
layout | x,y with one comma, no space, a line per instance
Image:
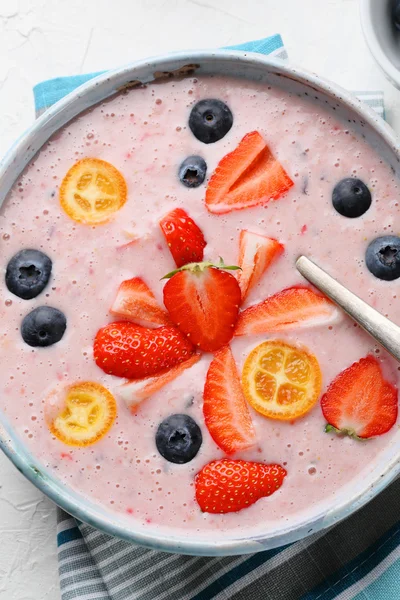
357,559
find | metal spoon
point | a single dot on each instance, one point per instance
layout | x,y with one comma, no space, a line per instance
382,329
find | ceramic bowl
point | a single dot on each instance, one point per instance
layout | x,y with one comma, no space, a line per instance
382,37
224,62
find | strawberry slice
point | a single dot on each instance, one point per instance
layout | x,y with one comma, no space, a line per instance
227,485
248,176
292,308
128,350
256,254
184,238
225,410
360,402
136,302
135,391
203,301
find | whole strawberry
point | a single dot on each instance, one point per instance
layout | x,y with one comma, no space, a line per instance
227,485
203,300
128,350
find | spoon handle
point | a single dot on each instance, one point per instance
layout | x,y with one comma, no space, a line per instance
382,329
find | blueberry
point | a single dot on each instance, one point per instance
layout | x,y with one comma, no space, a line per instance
351,197
178,439
28,273
396,13
210,120
383,257
192,171
43,326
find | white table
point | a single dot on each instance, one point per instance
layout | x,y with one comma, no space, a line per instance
40,39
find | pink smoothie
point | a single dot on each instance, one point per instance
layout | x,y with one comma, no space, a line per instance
145,135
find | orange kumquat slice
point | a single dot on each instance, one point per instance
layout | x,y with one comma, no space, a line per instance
92,191
281,381
82,414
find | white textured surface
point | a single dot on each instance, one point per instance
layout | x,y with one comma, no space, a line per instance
40,39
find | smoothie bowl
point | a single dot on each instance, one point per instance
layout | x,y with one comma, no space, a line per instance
166,395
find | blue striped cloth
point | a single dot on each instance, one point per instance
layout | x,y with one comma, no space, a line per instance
358,559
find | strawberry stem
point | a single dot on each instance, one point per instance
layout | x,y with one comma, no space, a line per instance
342,432
201,266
